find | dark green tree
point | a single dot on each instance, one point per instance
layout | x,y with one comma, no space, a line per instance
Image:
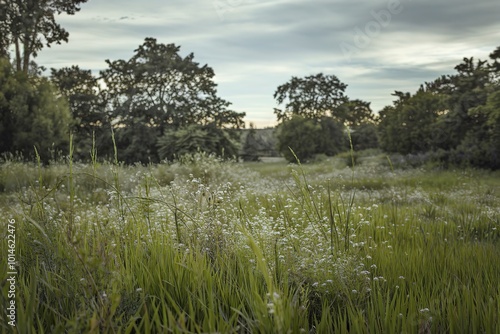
87,104
9,88
354,112
300,135
32,115
388,128
364,136
481,145
195,138
331,138
464,90
321,99
161,92
29,24
313,97
250,150
407,126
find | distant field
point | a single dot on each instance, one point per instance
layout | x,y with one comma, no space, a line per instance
205,246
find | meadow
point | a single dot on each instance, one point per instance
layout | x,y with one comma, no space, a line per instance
210,246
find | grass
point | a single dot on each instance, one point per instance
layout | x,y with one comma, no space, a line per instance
205,246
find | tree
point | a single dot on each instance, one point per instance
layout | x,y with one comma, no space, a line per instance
321,99
495,65
407,126
364,136
389,128
32,115
251,146
194,138
299,134
160,92
331,138
481,145
312,97
9,88
456,117
465,90
28,24
354,112
87,105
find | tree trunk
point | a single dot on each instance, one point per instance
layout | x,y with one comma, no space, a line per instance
26,52
18,54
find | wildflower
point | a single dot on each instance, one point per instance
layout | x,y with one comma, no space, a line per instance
270,306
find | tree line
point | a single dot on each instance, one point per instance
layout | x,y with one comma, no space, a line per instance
453,120
160,105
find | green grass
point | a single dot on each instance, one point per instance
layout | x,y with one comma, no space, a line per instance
205,246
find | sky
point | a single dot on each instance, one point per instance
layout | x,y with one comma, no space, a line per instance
375,47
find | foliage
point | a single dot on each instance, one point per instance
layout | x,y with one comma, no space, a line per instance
195,138
454,117
29,24
299,135
308,137
32,115
482,142
465,90
407,127
250,150
86,100
318,100
364,136
312,97
354,112
331,138
157,91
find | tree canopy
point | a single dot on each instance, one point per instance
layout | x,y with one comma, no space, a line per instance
157,92
320,100
28,25
32,115
313,96
455,116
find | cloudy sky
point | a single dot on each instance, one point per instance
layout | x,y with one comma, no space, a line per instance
375,46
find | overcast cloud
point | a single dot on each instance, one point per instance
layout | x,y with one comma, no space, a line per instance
255,46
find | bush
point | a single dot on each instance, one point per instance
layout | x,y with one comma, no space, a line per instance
298,135
308,137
